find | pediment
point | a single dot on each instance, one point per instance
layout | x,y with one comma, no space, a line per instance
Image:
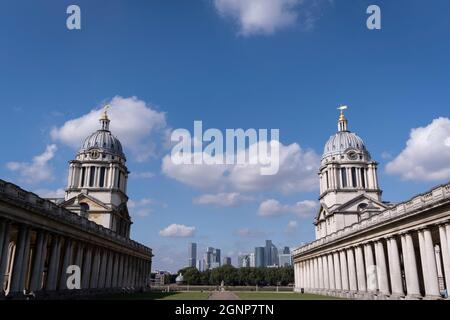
355,204
94,204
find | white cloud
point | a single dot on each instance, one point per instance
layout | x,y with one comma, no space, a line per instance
259,16
38,169
291,226
297,172
426,156
142,175
142,207
47,193
302,209
232,199
133,121
177,230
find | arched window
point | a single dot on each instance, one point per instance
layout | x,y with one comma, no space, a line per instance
84,209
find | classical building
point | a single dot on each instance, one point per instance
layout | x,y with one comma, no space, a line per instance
367,248
89,229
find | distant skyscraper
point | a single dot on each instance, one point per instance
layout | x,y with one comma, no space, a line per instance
209,257
201,265
252,259
268,253
227,261
217,256
259,257
192,254
286,250
285,260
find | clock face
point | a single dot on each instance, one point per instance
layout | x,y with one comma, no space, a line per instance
352,155
94,154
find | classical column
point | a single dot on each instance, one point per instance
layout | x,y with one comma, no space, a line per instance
120,277
316,273
306,274
86,272
409,261
371,269
79,255
351,270
321,282
428,263
382,275
95,269
332,282
326,283
337,271
344,270
115,278
52,276
20,266
395,272
67,261
4,251
360,269
103,266
445,254
109,270
39,260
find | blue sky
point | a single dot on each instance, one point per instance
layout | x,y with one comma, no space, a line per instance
207,60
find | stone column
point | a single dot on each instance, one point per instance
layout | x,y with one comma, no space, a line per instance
321,274
331,272
120,277
306,274
409,258
95,269
79,255
428,263
445,254
344,270
20,265
360,269
351,270
371,269
39,260
52,277
382,275
115,279
103,266
395,268
4,251
109,270
67,261
86,271
337,271
326,282
316,273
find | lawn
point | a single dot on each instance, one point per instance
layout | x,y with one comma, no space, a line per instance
281,296
162,296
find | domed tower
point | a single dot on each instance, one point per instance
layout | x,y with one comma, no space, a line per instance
97,183
348,181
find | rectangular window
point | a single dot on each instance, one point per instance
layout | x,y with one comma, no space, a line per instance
328,183
102,177
344,177
118,180
83,176
363,177
91,177
354,183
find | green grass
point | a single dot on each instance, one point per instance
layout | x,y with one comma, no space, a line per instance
281,296
161,296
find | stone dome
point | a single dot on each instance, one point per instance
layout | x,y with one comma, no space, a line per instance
342,141
103,140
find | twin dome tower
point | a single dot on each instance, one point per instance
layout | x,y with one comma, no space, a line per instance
97,183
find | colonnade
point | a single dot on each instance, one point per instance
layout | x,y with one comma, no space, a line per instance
35,260
411,264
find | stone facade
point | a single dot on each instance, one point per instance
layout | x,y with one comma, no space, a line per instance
369,249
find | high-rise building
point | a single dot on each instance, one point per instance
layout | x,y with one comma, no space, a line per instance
201,265
268,253
285,260
252,260
227,261
286,250
192,254
259,257
209,257
217,256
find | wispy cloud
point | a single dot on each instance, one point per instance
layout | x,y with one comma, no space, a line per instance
177,230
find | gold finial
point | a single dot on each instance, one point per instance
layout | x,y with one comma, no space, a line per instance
342,116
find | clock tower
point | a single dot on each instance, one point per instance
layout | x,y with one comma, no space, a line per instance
97,182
